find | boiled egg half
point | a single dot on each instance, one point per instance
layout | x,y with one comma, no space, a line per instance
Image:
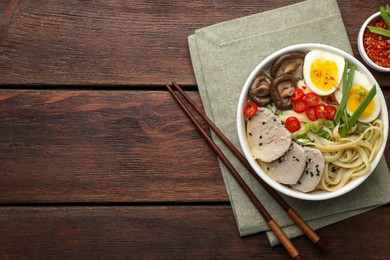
359,89
323,71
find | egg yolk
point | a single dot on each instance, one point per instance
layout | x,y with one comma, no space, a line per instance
356,96
324,74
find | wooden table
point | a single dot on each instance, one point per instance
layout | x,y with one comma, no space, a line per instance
97,161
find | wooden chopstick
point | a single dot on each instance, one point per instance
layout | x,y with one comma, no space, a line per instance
285,241
298,220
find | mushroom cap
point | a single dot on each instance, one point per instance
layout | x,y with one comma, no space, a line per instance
259,91
289,63
281,89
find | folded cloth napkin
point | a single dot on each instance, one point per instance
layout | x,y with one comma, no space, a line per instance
223,56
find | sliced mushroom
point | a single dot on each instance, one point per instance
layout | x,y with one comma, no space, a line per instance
259,91
289,63
281,89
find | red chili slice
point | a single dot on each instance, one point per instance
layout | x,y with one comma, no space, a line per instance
250,109
320,111
311,114
330,112
299,106
292,124
376,46
298,95
312,99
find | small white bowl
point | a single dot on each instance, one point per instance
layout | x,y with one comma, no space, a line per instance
241,127
362,52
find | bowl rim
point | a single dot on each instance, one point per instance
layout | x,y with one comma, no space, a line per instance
242,132
361,50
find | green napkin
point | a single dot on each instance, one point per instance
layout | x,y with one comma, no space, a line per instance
223,56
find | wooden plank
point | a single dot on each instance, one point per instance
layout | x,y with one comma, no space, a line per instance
171,232
121,43
102,146
107,42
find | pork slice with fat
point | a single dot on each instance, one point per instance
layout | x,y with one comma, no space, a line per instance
268,139
311,176
288,168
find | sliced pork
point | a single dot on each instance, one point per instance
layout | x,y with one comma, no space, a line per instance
288,168
311,176
268,139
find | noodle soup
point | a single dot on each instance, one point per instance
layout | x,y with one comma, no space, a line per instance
312,121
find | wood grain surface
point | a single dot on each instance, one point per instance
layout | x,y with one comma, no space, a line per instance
170,232
96,159
122,42
115,146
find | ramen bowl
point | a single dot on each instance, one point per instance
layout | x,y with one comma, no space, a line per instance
263,66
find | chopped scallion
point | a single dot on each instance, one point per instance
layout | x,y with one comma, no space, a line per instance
379,31
323,133
385,14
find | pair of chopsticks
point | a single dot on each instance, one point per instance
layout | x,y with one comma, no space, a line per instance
298,220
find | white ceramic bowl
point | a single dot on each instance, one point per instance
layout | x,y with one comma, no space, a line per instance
362,52
322,195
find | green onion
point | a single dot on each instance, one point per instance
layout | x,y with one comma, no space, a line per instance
314,127
328,123
385,16
361,127
345,79
346,121
361,93
347,83
355,116
379,31
323,133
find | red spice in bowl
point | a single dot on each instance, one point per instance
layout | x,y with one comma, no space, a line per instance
376,46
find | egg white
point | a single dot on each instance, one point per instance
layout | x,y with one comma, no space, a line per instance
316,55
361,80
